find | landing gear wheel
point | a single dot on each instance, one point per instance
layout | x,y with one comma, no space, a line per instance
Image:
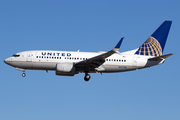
24,74
87,77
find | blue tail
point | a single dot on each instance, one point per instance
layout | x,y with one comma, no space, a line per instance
155,44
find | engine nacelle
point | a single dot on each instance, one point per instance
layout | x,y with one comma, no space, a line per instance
65,69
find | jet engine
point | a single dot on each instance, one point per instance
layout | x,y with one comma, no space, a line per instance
65,69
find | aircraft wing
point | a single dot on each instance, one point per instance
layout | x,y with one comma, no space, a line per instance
96,61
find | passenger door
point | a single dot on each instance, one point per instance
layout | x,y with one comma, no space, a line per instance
134,61
29,57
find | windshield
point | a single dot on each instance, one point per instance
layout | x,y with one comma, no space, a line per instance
15,55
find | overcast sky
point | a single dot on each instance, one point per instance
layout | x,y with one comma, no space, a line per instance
88,25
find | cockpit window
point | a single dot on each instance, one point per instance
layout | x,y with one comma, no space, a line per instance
15,55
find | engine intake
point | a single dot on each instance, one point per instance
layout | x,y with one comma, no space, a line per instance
65,69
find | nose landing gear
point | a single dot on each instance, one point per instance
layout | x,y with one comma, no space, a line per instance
24,74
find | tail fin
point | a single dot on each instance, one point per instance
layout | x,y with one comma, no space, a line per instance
154,45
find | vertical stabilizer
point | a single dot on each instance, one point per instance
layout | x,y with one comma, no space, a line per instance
154,45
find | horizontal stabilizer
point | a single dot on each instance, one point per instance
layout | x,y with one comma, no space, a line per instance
161,57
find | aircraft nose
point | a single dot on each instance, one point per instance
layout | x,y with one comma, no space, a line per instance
7,61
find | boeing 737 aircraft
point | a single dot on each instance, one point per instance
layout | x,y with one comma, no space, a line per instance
68,63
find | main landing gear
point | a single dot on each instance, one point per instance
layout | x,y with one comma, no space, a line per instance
87,77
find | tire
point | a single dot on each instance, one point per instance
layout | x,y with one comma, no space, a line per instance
24,74
87,77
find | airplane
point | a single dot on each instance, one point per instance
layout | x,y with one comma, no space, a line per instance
67,63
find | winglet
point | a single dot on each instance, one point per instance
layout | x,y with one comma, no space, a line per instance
116,48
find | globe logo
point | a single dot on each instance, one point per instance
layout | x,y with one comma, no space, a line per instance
151,47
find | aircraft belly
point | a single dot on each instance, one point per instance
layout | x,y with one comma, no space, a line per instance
44,66
34,65
118,68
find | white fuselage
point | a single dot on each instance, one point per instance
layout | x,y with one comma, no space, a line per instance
67,63
47,60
